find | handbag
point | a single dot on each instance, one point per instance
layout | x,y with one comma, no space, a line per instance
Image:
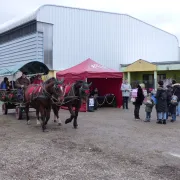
133,99
134,93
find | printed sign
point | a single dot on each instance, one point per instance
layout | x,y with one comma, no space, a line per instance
95,66
91,102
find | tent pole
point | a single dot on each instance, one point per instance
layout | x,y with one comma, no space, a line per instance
88,99
13,82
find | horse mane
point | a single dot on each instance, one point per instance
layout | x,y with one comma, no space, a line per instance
79,81
49,80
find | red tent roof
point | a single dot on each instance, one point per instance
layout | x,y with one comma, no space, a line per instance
90,68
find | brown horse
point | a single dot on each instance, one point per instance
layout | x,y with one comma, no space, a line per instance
78,92
41,97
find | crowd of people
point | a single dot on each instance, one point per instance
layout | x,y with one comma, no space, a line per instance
165,100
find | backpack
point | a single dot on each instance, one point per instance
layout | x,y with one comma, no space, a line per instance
154,99
174,100
134,93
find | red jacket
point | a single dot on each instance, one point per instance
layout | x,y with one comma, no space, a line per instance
37,81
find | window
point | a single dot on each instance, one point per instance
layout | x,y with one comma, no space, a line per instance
148,80
161,77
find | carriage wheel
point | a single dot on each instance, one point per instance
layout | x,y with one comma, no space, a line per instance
18,113
4,109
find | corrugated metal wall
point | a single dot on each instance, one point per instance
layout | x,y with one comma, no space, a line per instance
25,49
107,38
47,30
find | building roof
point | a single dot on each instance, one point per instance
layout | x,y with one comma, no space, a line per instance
32,16
18,21
157,63
166,62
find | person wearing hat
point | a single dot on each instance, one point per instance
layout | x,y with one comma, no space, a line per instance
23,81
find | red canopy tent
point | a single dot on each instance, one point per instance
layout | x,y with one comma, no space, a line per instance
107,80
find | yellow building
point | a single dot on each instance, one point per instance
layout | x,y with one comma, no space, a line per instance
150,73
51,73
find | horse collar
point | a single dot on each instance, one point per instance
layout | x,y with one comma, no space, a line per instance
45,92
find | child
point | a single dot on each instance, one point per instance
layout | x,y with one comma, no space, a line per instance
149,107
153,97
172,107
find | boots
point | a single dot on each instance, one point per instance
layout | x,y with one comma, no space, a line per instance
159,122
164,121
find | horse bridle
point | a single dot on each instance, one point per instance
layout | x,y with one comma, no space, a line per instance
48,94
82,89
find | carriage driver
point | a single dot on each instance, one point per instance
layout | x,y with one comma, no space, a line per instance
23,81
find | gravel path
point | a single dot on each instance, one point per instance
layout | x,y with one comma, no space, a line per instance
108,145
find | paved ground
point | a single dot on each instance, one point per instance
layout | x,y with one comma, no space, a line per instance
108,145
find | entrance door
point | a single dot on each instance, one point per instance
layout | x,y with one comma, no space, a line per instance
148,80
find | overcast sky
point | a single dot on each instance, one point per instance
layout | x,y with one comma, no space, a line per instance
164,14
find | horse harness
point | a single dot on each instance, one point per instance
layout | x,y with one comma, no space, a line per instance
52,98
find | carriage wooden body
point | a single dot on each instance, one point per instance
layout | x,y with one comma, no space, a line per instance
10,97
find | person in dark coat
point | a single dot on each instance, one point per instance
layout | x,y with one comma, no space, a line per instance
138,102
169,96
161,96
176,91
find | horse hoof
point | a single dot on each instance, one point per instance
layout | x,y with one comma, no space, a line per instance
55,121
28,122
75,127
59,124
45,130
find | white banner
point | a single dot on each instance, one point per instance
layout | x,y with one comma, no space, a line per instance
91,102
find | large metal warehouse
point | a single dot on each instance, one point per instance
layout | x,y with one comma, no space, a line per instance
62,37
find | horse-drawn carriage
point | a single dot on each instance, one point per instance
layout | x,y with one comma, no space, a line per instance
9,97
42,97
